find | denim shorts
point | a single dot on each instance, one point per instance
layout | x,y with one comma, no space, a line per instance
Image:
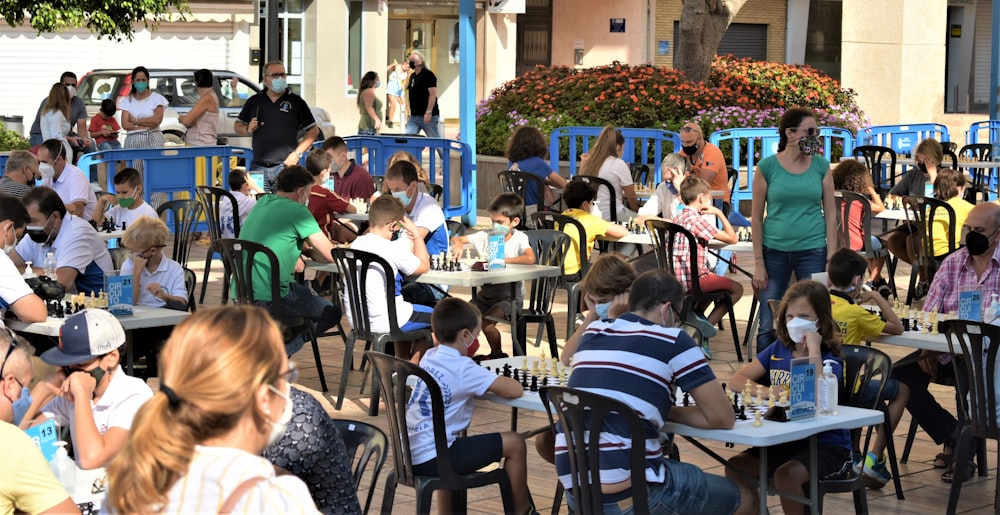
687,489
889,393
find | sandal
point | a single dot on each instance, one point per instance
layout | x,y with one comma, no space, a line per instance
968,471
943,460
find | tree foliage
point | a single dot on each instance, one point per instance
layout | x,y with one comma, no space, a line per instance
114,19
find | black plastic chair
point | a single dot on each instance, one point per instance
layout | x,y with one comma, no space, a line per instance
212,199
977,343
598,183
190,284
862,365
581,416
979,152
518,182
119,255
571,284
455,228
379,180
241,257
373,445
665,236
923,211
883,173
354,266
550,248
184,214
847,203
640,172
436,191
392,374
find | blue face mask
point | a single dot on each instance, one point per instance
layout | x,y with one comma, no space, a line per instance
279,84
378,84
500,228
402,196
602,310
140,87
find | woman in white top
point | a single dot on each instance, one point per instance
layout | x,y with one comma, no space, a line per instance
203,119
54,122
142,113
605,162
224,396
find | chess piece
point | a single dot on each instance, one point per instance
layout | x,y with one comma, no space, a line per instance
524,363
757,422
770,402
934,322
783,397
758,399
743,413
534,383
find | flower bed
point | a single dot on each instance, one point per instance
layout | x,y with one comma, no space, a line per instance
739,93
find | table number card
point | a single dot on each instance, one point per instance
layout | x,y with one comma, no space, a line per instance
119,289
970,304
803,388
45,436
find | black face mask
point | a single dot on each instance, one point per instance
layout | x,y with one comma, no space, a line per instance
922,167
37,234
97,373
690,150
977,243
413,65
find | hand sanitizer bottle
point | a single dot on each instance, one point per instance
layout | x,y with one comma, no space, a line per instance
63,467
992,312
28,272
50,265
828,390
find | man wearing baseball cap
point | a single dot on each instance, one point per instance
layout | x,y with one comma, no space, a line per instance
89,356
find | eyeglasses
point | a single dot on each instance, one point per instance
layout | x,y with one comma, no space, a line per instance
292,374
10,351
812,131
687,129
277,75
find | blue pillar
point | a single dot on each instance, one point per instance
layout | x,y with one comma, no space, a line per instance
467,95
995,54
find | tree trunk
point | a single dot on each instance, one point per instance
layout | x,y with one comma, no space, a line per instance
703,23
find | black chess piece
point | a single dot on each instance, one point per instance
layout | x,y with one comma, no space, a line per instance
743,413
534,383
687,399
506,370
123,226
524,380
517,374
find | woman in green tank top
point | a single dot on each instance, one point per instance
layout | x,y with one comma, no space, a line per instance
795,188
369,105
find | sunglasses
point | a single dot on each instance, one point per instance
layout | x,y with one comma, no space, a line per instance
812,131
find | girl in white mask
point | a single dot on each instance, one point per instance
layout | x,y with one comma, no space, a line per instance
224,396
805,327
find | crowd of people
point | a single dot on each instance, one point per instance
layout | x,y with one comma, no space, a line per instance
226,416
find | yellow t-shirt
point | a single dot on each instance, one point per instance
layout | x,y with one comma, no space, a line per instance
27,483
855,322
594,226
940,229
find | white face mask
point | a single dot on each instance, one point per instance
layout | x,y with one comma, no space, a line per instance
9,247
798,327
278,426
47,170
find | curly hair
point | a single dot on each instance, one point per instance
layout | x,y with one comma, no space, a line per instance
525,142
852,176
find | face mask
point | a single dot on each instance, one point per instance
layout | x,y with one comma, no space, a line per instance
127,202
37,232
500,228
278,426
378,84
798,327
140,87
922,167
97,373
279,84
9,247
72,90
402,196
690,149
47,170
809,145
977,243
602,310
413,64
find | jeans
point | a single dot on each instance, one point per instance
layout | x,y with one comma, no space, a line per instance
270,175
780,265
301,301
687,489
111,144
415,124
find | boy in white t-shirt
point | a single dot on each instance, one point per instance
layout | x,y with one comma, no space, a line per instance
128,199
494,300
240,187
407,255
89,357
455,324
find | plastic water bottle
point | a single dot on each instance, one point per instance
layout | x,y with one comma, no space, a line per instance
828,390
28,272
50,265
63,467
496,248
992,312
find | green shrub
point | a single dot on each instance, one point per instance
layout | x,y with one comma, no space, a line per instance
10,140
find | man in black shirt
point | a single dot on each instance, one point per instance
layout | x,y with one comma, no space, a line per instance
274,117
422,87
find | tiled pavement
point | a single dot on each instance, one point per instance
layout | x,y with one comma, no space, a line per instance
923,488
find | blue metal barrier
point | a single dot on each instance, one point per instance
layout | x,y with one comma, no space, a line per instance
648,142
902,138
3,163
169,170
459,198
990,129
748,146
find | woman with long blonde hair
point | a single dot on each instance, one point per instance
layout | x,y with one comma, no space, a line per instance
54,122
195,446
605,161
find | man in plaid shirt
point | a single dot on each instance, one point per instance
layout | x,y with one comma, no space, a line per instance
697,198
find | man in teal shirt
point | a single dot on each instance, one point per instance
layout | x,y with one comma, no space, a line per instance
283,223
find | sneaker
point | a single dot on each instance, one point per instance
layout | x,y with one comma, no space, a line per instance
859,462
705,349
920,291
876,475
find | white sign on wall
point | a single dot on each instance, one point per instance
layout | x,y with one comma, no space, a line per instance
505,6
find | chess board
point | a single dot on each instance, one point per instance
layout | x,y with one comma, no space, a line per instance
533,373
